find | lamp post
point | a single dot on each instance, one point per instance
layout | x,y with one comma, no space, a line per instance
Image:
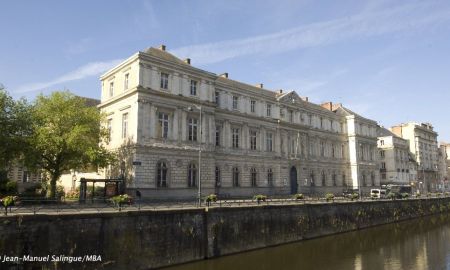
199,155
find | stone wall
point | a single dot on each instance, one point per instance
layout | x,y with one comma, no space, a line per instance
149,239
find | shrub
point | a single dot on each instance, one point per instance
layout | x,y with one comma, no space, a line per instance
11,187
260,198
353,196
119,200
73,194
329,197
391,196
405,195
446,194
298,196
211,198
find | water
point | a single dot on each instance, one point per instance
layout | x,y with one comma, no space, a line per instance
415,244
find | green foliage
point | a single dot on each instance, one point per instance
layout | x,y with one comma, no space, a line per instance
446,194
211,198
119,200
298,196
73,194
33,191
354,196
405,195
260,197
391,195
8,200
16,127
329,197
66,135
8,187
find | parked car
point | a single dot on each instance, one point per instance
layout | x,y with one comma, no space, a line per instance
377,193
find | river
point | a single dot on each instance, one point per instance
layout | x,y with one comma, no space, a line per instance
416,244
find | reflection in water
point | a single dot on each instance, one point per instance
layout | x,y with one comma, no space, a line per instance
416,244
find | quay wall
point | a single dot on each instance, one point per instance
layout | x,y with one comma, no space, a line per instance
152,239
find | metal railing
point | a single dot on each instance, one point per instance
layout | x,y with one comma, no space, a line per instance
33,206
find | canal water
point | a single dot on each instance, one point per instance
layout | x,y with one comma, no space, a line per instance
416,244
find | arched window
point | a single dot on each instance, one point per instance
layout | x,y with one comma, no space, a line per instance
235,177
270,177
323,178
217,177
253,176
192,175
161,174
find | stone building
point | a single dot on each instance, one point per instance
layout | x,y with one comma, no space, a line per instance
443,166
423,144
24,177
252,140
395,161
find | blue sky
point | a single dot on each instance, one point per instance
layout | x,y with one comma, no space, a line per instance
387,60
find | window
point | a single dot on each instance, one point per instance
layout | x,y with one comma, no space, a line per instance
125,82
333,151
26,177
163,131
382,142
292,146
124,125
382,153
364,180
334,179
217,97
192,129
252,105
217,177
192,175
383,165
164,81
372,178
311,176
291,116
344,182
321,122
268,110
383,176
343,151
252,140
111,89
253,176
270,177
217,136
235,102
235,137
269,143
323,178
235,177
161,175
193,88
109,128
322,148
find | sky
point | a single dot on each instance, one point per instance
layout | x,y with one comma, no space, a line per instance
386,60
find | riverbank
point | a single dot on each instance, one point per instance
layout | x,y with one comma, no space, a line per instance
151,239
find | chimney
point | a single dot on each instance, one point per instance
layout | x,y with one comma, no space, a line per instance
280,91
162,47
305,99
260,85
224,75
187,61
327,105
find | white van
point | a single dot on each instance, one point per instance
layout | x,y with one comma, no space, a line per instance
377,193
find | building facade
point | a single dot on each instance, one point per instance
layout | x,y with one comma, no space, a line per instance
252,140
396,165
24,177
443,166
423,145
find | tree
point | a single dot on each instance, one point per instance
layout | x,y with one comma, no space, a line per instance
67,134
15,128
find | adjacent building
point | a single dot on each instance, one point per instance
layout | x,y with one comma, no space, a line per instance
423,145
24,177
182,125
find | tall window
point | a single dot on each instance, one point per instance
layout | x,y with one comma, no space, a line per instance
269,142
124,125
164,81
364,179
161,175
26,177
323,178
383,165
193,88
270,177
334,179
372,178
125,82
235,177
235,137
291,116
217,177
311,176
252,105
253,176
252,140
163,125
235,102
109,128
343,151
382,153
217,136
333,151
111,89
192,175
321,122
217,97
268,110
192,129
322,148
344,181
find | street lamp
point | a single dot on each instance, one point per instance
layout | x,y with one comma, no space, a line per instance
199,155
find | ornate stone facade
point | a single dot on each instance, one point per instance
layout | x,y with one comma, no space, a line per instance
253,140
